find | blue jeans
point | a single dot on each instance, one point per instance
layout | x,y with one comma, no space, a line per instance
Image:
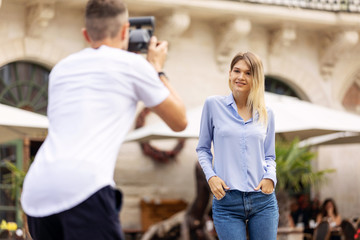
257,210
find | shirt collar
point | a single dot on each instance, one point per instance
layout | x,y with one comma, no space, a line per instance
229,99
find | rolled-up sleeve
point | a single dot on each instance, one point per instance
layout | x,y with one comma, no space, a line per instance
203,149
269,146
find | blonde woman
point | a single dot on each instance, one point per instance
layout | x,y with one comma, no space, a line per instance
242,131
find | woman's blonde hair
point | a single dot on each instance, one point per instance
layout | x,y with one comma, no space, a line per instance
256,98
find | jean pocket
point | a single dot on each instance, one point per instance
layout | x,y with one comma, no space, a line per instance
218,199
268,194
226,193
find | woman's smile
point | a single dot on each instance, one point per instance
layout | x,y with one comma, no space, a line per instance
240,77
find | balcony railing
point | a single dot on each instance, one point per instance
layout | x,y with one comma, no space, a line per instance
352,6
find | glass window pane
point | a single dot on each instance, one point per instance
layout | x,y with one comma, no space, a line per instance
279,87
24,85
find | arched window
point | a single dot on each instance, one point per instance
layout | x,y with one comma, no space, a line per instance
24,85
277,86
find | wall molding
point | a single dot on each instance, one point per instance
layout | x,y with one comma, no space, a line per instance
31,49
172,25
333,46
228,35
38,16
283,37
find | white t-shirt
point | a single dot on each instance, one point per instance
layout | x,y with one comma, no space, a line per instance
92,102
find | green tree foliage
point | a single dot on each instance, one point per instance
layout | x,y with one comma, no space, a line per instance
295,174
294,167
15,177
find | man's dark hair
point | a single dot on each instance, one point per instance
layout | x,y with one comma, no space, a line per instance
104,18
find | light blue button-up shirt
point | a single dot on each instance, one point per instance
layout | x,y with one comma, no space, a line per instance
244,151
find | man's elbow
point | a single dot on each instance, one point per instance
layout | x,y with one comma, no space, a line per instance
180,125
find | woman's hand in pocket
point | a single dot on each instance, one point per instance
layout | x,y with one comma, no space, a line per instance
266,185
218,187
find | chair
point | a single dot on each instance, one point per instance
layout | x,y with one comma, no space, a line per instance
4,234
357,234
322,231
308,236
348,230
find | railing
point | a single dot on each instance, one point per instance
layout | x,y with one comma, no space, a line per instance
352,6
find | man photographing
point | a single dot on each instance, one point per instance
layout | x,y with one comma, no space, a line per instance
68,192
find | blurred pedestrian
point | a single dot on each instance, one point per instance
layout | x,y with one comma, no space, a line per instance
330,214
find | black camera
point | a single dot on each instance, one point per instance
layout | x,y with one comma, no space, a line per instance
141,30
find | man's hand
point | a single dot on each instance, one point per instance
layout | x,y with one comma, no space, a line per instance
157,53
266,185
217,187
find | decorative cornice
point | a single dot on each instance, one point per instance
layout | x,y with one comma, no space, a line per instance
173,25
228,35
283,37
270,14
38,16
332,47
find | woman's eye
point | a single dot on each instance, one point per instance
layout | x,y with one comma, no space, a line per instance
248,73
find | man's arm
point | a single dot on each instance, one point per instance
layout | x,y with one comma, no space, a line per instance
172,109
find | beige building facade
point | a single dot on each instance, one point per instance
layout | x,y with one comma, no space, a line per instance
314,52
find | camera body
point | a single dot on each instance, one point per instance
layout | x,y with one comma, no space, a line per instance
141,30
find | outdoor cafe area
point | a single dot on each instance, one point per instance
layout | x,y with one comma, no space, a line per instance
347,231
21,124
157,212
23,131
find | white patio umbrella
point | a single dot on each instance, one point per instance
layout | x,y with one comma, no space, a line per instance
293,118
331,139
16,123
302,119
